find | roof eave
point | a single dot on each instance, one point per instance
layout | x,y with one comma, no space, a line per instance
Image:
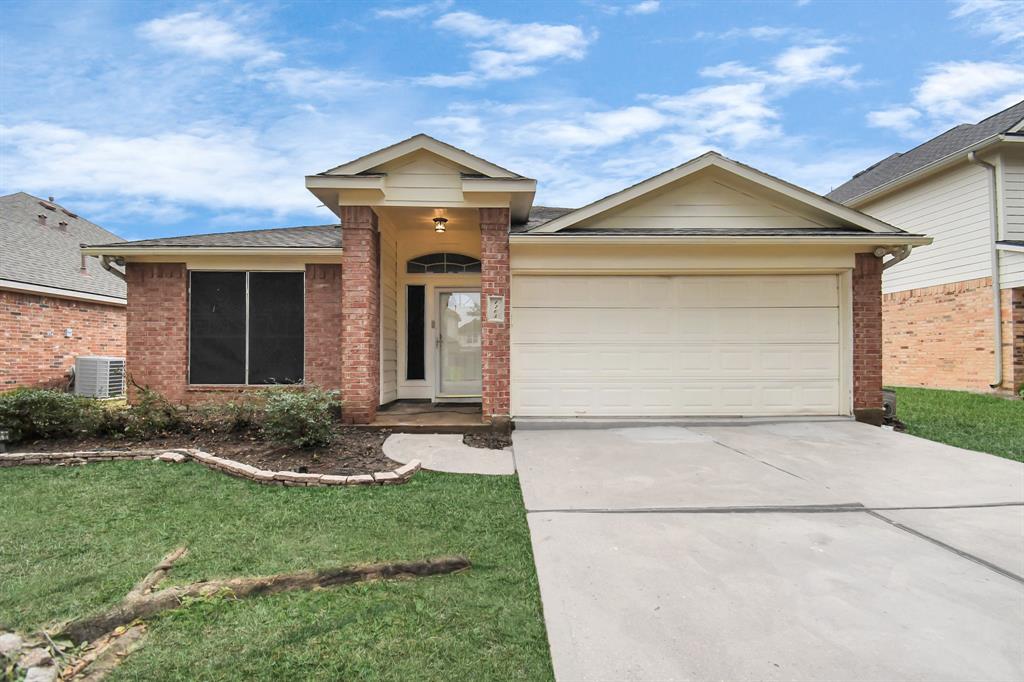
211,250
933,167
57,292
874,238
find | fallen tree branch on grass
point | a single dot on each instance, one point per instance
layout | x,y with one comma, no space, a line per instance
144,600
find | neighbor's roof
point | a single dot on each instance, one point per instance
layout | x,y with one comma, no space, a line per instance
305,237
48,255
945,145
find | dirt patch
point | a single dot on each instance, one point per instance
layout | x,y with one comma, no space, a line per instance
351,452
488,441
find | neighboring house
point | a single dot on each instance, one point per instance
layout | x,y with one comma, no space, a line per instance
710,289
965,188
55,304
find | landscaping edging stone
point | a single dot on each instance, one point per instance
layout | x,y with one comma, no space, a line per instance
227,466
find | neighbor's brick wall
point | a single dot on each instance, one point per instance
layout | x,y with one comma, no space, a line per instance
157,348
323,326
494,281
941,336
360,326
33,349
867,338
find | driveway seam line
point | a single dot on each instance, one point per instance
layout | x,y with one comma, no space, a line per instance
781,509
749,456
949,548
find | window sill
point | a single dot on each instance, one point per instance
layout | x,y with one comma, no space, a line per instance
210,388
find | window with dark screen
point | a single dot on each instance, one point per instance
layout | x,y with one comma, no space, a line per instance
246,327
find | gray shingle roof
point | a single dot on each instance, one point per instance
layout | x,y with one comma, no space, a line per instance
538,216
47,255
935,149
308,236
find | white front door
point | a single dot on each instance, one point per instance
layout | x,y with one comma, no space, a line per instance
458,345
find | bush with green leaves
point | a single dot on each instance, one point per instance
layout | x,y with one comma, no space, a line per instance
301,418
152,415
46,413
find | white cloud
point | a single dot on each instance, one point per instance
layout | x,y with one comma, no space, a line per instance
752,32
503,50
645,7
317,83
1001,19
225,169
597,129
412,11
207,37
901,119
738,114
954,92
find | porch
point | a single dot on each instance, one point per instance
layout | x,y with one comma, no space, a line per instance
424,416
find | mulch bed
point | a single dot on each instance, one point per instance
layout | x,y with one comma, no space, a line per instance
487,441
353,451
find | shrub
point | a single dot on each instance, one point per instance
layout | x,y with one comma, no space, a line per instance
46,413
301,418
153,415
231,417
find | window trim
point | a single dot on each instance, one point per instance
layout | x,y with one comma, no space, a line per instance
446,271
188,334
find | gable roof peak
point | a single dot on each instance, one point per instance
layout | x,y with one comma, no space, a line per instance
415,143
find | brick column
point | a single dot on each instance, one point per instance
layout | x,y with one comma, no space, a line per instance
867,339
360,315
323,326
494,281
1013,355
156,352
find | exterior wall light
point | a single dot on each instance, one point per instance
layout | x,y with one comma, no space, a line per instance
439,224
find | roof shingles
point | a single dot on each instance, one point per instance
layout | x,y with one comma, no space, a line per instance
48,254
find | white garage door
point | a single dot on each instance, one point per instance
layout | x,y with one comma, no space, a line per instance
675,345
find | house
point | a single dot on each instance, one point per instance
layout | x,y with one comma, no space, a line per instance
710,289
55,304
946,325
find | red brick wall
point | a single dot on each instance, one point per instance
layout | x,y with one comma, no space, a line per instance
158,331
941,336
867,338
323,326
33,349
360,326
158,327
494,281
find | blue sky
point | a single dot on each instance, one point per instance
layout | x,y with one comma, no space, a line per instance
167,118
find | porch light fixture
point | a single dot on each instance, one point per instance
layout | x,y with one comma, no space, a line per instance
439,224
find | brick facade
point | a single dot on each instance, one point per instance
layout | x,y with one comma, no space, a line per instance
494,281
157,349
941,336
360,316
157,320
34,350
323,326
867,338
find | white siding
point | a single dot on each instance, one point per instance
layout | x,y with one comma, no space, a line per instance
954,208
1011,269
709,201
1013,196
388,313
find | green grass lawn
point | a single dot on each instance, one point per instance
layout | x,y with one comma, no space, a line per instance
74,540
966,420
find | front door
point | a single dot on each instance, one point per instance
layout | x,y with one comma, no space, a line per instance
458,345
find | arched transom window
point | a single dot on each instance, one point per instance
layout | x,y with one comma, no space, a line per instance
443,263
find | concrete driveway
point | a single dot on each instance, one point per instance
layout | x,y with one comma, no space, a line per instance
794,550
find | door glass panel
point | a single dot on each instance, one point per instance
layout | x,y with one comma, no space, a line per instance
459,350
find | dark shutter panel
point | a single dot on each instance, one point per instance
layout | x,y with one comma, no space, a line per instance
217,328
275,327
414,313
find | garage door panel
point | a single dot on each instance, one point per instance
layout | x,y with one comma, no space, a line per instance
666,362
720,398
714,345
708,291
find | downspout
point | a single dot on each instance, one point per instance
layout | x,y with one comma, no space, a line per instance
997,308
105,262
898,254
